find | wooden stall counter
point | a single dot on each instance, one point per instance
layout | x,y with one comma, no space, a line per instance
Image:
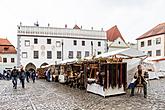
98,89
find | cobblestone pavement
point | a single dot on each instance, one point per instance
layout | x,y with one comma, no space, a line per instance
44,95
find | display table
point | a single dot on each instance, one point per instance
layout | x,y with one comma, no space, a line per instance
98,89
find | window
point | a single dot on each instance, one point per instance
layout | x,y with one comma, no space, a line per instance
83,43
58,44
158,52
86,53
142,44
35,55
70,54
99,43
75,42
119,42
158,40
24,54
35,41
149,43
49,54
4,60
6,48
27,42
98,53
78,54
48,41
12,60
150,53
58,54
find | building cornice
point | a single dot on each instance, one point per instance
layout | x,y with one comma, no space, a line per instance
60,37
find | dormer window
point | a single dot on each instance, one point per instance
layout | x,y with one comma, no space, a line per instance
6,48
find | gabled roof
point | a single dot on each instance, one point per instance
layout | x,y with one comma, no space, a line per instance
76,27
157,30
4,42
6,47
114,33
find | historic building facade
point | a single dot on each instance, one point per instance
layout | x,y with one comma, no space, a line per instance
38,46
153,42
8,55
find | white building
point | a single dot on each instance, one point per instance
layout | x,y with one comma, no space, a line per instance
115,39
8,55
132,45
38,46
153,43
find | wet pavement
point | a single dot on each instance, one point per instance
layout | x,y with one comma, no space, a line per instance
44,95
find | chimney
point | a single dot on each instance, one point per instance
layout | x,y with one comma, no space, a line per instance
48,25
91,28
20,23
81,27
102,29
36,24
65,25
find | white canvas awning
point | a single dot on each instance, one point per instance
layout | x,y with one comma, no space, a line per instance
129,52
68,61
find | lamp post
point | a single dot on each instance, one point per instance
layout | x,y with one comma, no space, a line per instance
62,50
92,48
107,46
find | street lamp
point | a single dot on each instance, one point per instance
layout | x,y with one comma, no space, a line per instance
92,48
107,46
62,50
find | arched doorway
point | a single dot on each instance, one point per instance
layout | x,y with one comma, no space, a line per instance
30,67
44,64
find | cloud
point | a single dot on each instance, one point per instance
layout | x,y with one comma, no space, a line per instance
133,17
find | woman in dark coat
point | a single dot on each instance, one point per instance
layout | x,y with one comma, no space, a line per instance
33,76
22,77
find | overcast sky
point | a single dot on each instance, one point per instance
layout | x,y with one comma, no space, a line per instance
133,17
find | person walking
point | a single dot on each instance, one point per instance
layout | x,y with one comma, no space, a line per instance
22,77
14,75
27,76
48,75
33,76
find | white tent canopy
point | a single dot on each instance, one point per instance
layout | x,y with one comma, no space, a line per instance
129,52
68,61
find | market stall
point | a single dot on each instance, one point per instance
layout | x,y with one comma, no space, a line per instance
107,78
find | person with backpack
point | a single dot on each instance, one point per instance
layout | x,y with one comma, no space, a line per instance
14,75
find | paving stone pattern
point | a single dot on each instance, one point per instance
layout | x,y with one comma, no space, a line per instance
44,95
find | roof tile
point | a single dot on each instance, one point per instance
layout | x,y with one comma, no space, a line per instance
6,47
114,33
157,30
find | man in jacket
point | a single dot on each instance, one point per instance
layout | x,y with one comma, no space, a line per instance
140,80
14,75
